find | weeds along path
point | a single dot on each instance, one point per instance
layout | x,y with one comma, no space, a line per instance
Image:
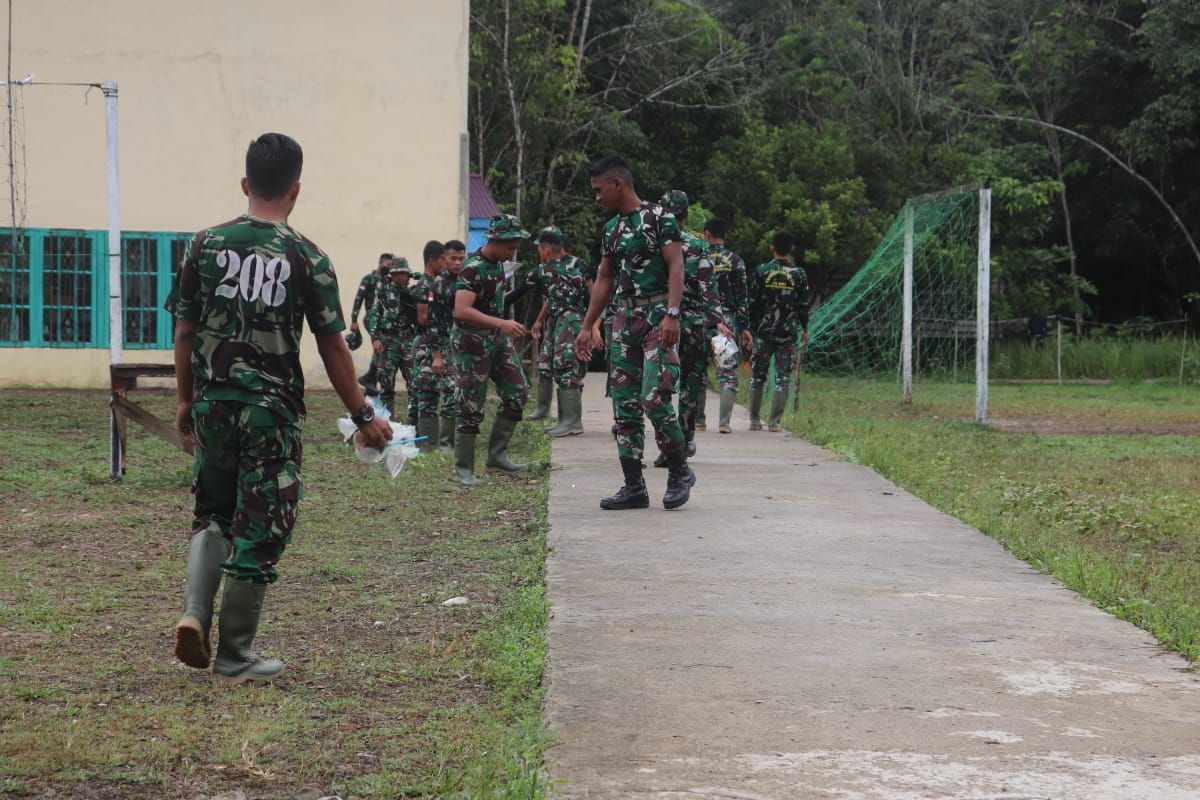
804,628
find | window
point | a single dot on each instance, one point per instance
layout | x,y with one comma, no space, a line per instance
14,288
68,292
54,292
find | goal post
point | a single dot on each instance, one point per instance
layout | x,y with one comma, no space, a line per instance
919,304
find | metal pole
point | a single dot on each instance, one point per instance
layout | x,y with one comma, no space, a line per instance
1058,355
116,327
906,336
983,306
1183,349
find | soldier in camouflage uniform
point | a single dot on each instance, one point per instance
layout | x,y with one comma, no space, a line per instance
483,350
240,299
428,365
568,284
702,314
441,324
393,322
643,256
729,271
778,313
368,289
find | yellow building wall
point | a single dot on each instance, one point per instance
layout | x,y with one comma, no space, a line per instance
375,91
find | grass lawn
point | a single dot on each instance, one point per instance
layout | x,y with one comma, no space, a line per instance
1097,485
386,694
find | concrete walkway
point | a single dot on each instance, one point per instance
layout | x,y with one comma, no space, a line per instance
804,629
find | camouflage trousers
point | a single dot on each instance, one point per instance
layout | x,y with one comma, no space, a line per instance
693,373
727,368
545,353
568,371
396,357
427,386
246,482
481,355
644,375
784,353
448,386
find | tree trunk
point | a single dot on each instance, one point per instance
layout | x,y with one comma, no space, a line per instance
518,131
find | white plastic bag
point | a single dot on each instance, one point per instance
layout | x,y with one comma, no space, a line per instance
401,448
725,350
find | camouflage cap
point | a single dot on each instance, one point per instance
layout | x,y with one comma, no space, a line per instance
675,201
354,340
399,265
551,234
506,226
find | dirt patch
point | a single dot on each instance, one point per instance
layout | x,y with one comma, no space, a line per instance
1089,427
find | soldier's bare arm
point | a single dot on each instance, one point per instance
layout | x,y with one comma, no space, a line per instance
536,330
669,327
185,388
464,310
339,366
602,291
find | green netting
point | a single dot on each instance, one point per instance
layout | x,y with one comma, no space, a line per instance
858,330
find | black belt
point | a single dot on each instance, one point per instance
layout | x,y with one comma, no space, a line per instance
639,302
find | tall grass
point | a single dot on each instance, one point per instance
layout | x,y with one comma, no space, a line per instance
1097,358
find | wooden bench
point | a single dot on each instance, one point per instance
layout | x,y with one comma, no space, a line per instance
124,378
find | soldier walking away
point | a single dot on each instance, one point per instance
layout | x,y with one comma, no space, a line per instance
392,323
441,324
729,272
778,313
368,290
483,350
240,300
702,316
643,258
428,364
568,290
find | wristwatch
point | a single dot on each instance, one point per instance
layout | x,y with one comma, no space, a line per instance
673,312
363,415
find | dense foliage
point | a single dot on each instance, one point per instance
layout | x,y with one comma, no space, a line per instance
825,115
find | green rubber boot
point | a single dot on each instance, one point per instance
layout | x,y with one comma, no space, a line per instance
464,459
570,414
428,428
701,402
728,398
502,431
207,550
542,411
446,435
778,406
238,622
756,408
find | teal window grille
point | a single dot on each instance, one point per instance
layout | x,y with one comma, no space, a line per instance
54,288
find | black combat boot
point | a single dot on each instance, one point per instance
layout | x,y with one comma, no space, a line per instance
680,481
633,494
371,377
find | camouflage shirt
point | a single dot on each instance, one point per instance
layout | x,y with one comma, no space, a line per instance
729,272
567,286
634,243
441,310
248,285
701,306
420,291
394,313
485,278
368,290
778,300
